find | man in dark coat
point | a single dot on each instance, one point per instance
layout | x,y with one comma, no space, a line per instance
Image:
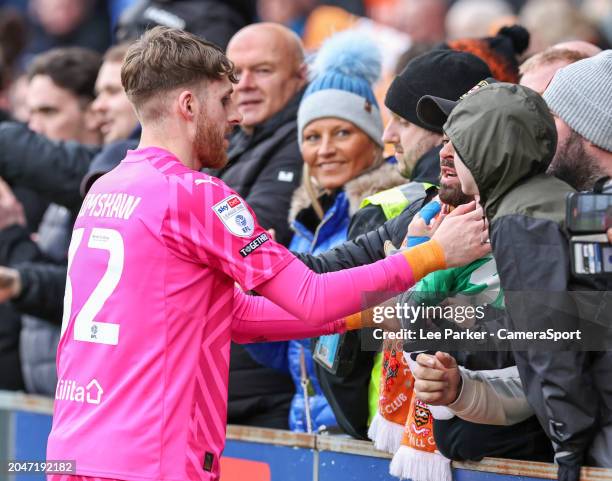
264,167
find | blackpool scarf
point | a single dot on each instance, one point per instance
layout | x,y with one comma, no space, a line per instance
417,457
403,425
395,396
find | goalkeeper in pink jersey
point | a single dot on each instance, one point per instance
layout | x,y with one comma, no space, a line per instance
151,304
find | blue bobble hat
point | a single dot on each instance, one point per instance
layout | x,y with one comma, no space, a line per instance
344,70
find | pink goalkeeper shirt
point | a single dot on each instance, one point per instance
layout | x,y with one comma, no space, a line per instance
143,360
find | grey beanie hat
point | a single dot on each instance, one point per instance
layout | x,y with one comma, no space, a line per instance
345,68
581,95
343,105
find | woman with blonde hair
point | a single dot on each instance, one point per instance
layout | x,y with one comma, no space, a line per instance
340,130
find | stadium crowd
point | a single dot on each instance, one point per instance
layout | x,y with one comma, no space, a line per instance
363,124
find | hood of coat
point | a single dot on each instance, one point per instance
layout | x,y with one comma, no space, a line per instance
368,183
505,134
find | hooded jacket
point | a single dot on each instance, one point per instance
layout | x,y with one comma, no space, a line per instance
506,137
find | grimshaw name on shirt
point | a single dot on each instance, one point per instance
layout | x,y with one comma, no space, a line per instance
115,205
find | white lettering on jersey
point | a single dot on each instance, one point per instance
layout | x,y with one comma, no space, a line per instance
117,205
69,390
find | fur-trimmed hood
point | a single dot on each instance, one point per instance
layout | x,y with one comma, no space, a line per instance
370,182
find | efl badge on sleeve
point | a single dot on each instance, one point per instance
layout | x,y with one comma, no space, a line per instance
235,215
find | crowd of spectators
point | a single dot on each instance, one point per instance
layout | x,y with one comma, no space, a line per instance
351,145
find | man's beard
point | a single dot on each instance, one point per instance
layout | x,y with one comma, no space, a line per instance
405,164
208,144
452,194
410,157
573,165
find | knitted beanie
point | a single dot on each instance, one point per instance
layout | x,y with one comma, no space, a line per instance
500,52
581,95
443,73
344,70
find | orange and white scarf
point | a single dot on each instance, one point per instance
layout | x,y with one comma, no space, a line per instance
403,425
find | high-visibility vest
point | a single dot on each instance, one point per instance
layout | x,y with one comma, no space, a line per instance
394,201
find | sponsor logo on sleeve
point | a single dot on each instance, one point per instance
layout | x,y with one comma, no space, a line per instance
235,216
233,202
254,244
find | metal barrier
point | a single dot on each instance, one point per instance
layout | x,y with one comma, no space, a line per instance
265,454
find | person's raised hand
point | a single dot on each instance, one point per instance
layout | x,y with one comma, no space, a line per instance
426,222
463,235
437,380
11,210
10,284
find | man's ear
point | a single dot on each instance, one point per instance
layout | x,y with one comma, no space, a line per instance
302,74
91,118
187,104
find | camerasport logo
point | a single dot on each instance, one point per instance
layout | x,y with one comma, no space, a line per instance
235,216
69,390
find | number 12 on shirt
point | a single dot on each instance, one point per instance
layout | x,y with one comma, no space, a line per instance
85,327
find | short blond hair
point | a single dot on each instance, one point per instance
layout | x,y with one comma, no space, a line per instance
164,59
